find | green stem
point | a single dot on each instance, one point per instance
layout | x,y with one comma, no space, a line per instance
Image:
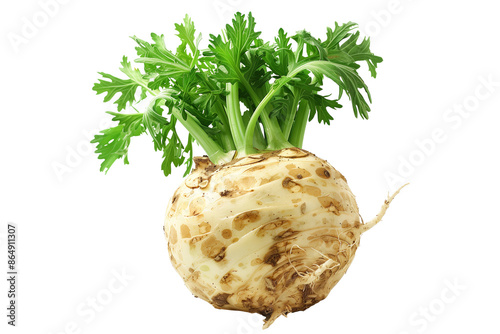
281,141
259,142
225,134
215,153
290,118
299,127
278,141
236,125
274,136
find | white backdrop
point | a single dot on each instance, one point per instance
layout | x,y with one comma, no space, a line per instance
91,252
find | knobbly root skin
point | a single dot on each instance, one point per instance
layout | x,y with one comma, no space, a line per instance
268,233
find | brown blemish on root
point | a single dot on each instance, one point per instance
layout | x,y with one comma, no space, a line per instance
294,187
226,281
195,275
273,256
299,173
175,198
270,283
172,235
311,190
256,261
227,234
273,225
241,220
286,234
196,206
225,193
213,248
303,208
267,313
247,304
203,163
255,168
229,280
205,227
221,255
185,232
291,278
220,299
291,185
325,201
332,204
271,179
323,173
307,293
194,240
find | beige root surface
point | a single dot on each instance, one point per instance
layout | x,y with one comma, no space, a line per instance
269,233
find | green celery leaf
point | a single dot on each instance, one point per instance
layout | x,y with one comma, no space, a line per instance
172,154
319,107
186,33
317,51
346,78
126,87
361,52
159,59
334,37
113,143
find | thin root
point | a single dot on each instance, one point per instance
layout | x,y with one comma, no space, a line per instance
289,261
312,274
381,214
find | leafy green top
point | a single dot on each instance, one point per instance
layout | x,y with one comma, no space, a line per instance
279,84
